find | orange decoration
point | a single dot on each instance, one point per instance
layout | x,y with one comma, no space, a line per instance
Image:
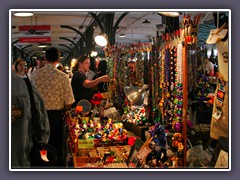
79,109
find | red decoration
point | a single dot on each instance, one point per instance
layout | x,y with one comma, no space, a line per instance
131,140
97,98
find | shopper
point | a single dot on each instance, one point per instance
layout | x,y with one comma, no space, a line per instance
21,126
209,67
82,87
102,70
20,67
36,64
132,72
55,89
32,66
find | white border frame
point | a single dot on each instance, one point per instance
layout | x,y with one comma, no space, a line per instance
121,10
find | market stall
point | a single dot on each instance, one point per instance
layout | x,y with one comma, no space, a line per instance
162,93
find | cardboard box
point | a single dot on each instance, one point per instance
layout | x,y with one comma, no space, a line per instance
85,156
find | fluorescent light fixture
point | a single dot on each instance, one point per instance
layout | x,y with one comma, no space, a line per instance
23,14
170,14
101,39
42,46
122,35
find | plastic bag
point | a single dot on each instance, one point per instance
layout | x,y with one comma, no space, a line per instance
198,158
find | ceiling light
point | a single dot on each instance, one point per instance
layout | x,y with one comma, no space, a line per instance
146,21
42,46
122,35
23,14
94,53
101,39
170,14
73,62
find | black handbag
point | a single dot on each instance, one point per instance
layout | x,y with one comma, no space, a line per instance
35,155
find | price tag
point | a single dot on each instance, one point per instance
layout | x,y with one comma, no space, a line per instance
44,155
217,115
143,153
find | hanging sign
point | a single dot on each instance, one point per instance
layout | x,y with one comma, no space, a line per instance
35,34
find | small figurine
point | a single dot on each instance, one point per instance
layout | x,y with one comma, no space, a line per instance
124,134
98,127
91,125
120,128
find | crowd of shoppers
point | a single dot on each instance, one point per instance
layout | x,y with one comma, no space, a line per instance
54,93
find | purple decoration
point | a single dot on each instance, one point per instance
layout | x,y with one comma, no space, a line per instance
179,106
177,126
190,123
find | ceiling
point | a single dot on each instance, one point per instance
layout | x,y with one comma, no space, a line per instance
131,25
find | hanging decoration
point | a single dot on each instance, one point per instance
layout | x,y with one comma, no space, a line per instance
118,58
165,106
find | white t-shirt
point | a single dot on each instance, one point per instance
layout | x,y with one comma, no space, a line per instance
90,74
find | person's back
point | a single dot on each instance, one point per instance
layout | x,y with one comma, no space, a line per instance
21,125
50,82
53,85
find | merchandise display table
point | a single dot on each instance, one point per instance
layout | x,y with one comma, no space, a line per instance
98,149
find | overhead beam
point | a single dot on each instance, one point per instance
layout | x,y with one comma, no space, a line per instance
78,32
21,52
65,46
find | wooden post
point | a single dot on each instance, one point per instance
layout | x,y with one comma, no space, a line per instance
185,94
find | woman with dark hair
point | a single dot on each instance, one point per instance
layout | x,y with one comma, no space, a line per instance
102,68
82,87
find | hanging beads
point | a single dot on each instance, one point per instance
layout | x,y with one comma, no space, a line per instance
178,96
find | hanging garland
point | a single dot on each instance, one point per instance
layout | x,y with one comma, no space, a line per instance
166,87
161,84
173,60
178,92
